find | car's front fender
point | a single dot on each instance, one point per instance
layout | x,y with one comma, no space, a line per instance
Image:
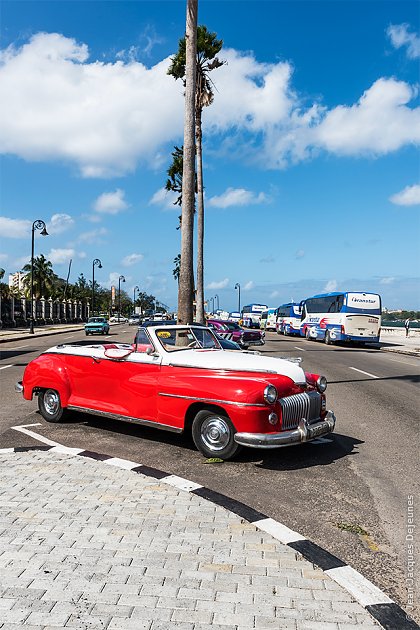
48,371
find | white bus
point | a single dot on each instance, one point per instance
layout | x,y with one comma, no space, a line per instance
268,319
347,316
251,314
288,319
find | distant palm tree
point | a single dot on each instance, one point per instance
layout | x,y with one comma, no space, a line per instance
208,46
44,278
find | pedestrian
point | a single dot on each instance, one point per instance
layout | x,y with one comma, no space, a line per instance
407,326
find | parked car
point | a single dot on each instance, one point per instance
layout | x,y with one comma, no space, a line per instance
96,326
232,330
118,319
134,320
179,378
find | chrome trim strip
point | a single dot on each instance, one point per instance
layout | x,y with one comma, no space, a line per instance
213,400
304,433
224,369
116,416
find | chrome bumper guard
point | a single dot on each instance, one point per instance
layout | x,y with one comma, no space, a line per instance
19,387
305,432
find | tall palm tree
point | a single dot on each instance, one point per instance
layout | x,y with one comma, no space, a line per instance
208,46
186,274
44,277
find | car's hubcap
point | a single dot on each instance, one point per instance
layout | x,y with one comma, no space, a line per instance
215,433
51,401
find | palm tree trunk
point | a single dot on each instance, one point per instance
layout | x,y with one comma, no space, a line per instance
200,221
186,272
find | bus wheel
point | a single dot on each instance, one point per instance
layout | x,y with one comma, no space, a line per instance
328,338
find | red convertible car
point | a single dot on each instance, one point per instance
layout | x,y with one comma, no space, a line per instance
179,378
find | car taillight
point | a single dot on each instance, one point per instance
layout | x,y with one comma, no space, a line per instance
342,329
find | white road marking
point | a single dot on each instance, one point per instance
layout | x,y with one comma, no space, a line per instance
362,372
300,348
181,484
121,463
6,366
7,450
36,436
277,530
71,337
366,593
19,347
404,362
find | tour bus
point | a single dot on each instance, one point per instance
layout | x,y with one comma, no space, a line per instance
288,319
346,316
268,319
251,314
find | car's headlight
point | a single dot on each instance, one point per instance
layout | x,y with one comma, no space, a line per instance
270,394
321,384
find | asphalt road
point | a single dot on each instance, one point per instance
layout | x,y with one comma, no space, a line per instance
350,494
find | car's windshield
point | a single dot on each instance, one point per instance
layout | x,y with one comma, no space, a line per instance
232,326
96,320
186,338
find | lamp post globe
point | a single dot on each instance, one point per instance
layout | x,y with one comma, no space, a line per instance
96,262
36,225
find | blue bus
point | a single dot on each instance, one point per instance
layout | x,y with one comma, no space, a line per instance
345,316
288,319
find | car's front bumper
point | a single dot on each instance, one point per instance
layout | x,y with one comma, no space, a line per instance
303,433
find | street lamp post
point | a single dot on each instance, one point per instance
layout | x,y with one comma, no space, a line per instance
218,305
36,225
98,263
238,286
134,298
120,279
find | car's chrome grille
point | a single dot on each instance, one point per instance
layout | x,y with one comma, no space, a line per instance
298,406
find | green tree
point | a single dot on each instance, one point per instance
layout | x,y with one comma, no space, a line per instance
208,46
44,278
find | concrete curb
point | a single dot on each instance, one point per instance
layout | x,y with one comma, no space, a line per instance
383,609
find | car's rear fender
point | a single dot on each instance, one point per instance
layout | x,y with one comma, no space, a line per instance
47,371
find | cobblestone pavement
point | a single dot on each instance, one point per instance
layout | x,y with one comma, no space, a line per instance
84,544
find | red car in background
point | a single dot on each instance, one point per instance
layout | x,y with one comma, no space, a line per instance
232,330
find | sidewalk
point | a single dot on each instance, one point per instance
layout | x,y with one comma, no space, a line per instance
8,335
87,541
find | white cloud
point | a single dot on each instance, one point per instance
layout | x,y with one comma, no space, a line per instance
300,253
274,294
14,228
379,123
60,256
111,202
410,196
218,285
132,259
400,36
93,236
388,280
236,197
59,223
73,99
165,199
248,286
113,282
330,286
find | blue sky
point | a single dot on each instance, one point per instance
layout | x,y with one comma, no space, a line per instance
311,163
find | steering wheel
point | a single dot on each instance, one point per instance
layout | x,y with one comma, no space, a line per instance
193,344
